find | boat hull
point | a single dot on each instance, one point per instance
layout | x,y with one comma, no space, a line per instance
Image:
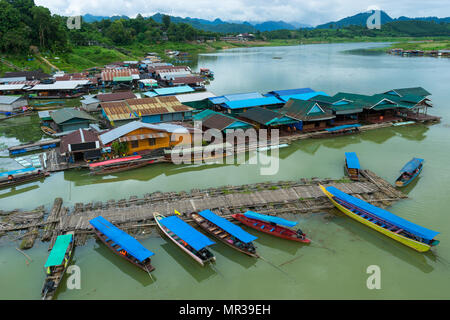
400,183
223,240
416,245
192,255
145,267
289,234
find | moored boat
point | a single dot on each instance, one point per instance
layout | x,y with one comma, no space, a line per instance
385,222
118,165
16,177
409,172
56,264
352,166
226,231
341,130
275,226
122,244
194,243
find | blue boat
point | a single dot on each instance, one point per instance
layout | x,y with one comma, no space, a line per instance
409,172
194,243
122,244
352,166
226,231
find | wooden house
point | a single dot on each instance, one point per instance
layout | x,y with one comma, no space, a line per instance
311,115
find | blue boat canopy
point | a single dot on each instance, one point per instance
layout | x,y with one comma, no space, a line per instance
185,232
385,215
123,239
412,165
18,171
352,160
229,227
277,220
347,126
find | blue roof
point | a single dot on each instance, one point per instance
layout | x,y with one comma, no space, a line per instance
238,104
5,174
291,91
347,126
277,220
173,90
229,227
412,165
385,215
185,232
302,96
235,96
123,239
150,94
352,160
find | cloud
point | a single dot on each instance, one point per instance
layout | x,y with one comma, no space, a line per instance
311,12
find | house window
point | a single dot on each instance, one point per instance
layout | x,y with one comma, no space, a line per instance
134,144
151,141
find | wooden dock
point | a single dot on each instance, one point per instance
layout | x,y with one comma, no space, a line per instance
136,213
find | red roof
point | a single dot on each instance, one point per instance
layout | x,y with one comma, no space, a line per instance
96,164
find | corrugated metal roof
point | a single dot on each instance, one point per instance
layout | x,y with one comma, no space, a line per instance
9,87
156,105
63,115
197,96
8,80
117,111
61,85
173,90
116,96
302,110
9,99
303,96
239,104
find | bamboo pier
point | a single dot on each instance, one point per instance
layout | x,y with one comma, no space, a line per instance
135,214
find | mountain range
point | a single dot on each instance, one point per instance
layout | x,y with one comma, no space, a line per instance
219,25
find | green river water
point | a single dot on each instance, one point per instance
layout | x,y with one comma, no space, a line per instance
334,265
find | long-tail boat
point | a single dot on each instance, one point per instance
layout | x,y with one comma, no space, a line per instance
274,226
16,177
341,130
56,264
186,238
226,231
352,166
385,222
118,165
122,244
409,172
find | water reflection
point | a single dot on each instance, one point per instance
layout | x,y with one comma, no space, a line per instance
191,266
124,266
234,255
394,248
14,191
14,128
378,136
413,132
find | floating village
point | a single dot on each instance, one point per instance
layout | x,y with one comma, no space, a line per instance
133,114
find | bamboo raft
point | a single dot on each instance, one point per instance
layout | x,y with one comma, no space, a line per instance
135,215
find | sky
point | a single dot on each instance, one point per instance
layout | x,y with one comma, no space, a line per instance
312,12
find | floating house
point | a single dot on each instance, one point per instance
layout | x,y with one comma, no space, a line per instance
215,120
173,90
196,100
115,76
235,104
142,137
27,75
160,109
81,145
217,101
14,88
265,118
12,103
68,119
299,93
60,89
311,115
117,113
345,111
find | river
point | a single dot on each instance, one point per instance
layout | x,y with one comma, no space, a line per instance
335,265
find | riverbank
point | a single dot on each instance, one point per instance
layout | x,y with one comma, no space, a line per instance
85,57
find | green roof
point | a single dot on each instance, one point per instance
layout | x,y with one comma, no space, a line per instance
418,91
129,78
56,256
305,110
66,114
267,117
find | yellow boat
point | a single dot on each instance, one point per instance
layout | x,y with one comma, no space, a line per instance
399,229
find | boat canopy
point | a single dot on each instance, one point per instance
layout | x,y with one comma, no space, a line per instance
412,165
103,163
228,226
384,215
123,239
347,126
56,256
277,220
352,160
185,232
19,171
